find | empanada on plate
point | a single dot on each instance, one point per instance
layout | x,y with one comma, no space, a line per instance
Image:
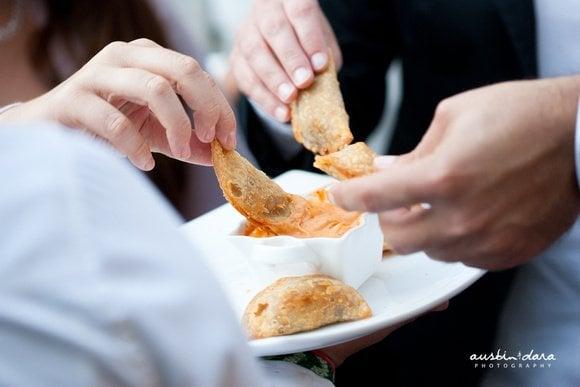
297,304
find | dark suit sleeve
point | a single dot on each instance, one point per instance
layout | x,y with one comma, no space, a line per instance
367,32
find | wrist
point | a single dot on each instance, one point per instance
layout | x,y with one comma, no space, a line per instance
25,112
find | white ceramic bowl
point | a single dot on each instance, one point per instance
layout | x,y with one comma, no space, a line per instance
351,258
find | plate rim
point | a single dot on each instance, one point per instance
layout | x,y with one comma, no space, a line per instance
299,342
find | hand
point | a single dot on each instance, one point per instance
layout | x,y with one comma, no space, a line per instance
278,49
339,353
128,95
497,170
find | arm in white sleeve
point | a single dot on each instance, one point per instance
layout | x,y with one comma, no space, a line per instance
97,285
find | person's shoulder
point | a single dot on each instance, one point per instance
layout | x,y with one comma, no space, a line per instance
60,167
48,146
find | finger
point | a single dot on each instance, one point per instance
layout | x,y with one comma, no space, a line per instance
304,16
384,162
226,125
102,119
408,232
262,61
185,74
276,30
145,88
332,42
200,152
252,86
400,186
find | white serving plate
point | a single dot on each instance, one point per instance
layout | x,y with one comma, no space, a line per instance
402,288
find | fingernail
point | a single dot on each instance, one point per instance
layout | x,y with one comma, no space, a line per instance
319,61
149,164
285,91
281,113
329,195
231,141
207,136
301,75
185,152
382,162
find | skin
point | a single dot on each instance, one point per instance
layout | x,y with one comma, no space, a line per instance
497,170
128,94
279,49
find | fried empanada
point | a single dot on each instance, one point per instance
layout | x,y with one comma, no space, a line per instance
319,119
297,304
269,208
251,192
353,161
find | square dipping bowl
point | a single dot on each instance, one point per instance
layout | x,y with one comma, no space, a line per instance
351,258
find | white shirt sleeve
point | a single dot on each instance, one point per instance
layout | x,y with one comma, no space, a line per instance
97,285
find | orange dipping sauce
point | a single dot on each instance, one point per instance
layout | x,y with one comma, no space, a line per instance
323,219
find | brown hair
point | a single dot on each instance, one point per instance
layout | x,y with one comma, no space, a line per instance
84,27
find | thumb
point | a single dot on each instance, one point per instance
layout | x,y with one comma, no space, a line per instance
402,184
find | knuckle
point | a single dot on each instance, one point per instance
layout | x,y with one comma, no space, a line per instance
444,181
272,25
114,48
116,124
368,199
212,109
144,42
295,58
158,86
188,66
459,227
302,8
252,47
210,80
443,111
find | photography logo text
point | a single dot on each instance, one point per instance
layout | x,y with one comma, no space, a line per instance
519,359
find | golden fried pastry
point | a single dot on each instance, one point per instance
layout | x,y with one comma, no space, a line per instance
320,219
269,209
353,161
297,304
251,192
319,119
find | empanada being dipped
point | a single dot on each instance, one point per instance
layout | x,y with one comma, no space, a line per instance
269,208
298,304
